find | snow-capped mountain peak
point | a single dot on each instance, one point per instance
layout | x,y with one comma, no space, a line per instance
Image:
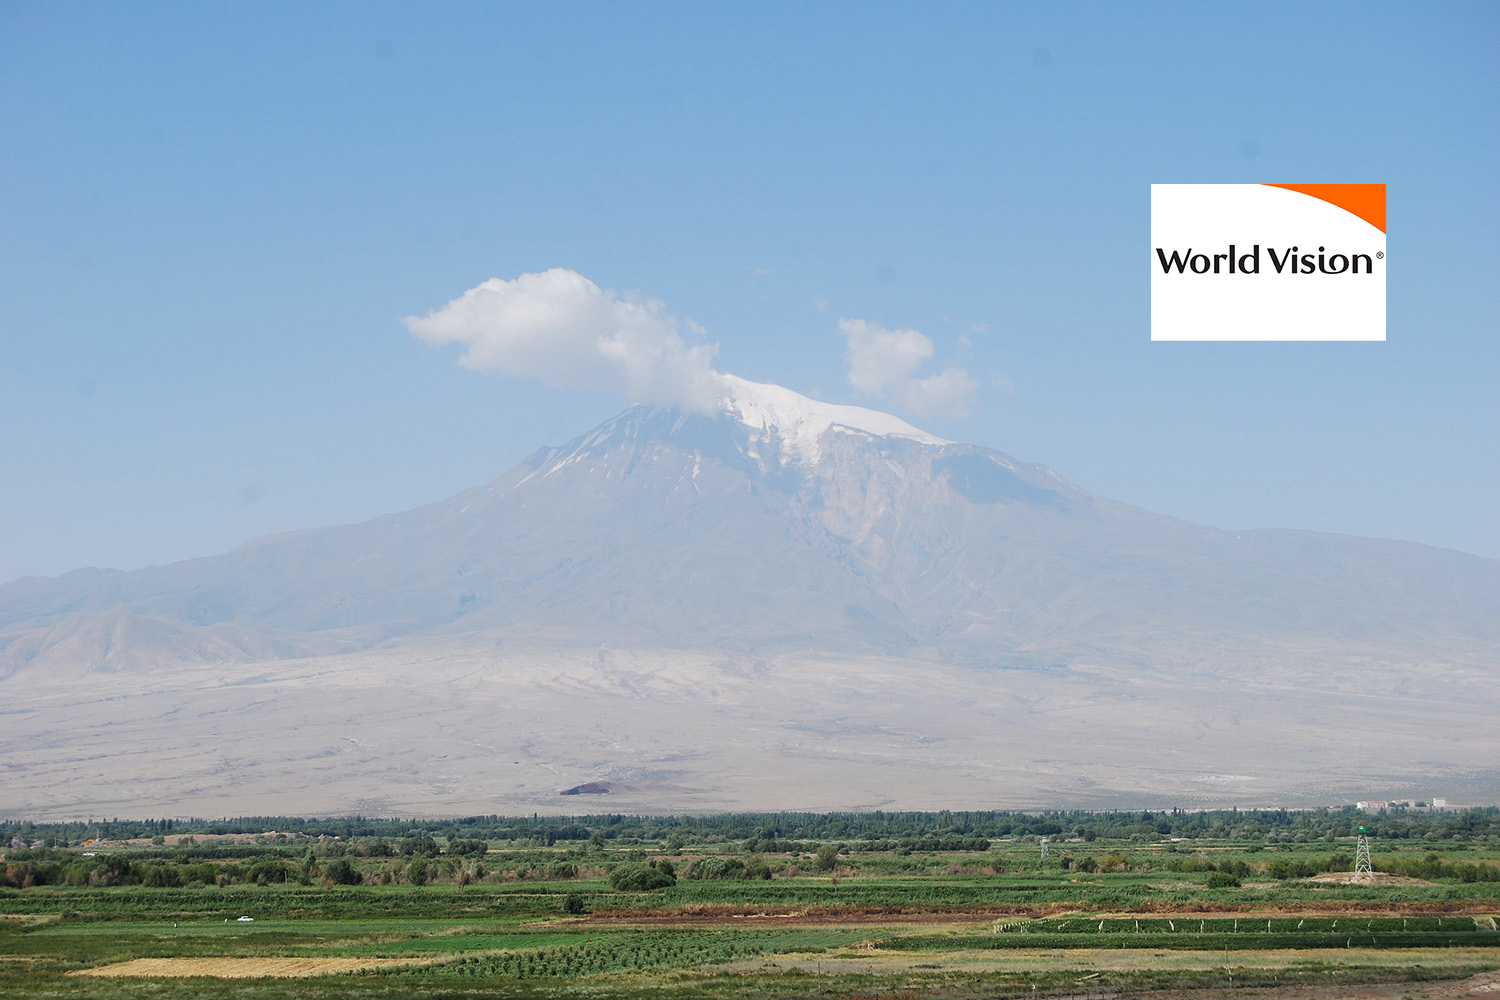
801,422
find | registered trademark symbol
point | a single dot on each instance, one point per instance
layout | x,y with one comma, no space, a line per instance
1380,255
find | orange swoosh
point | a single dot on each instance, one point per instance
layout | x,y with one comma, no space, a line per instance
1364,200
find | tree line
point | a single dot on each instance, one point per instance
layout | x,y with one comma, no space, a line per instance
888,830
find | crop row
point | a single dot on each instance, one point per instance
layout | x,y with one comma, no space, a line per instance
632,951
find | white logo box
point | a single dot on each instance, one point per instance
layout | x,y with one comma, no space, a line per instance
1196,296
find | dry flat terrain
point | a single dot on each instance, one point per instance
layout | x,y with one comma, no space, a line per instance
458,730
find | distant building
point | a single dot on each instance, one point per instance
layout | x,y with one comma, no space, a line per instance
1403,804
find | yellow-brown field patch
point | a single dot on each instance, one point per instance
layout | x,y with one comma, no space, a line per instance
242,968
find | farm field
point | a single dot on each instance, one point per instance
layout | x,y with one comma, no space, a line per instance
934,910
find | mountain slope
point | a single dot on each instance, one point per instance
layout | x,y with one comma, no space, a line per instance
782,522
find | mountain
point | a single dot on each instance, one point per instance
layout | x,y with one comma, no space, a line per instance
698,562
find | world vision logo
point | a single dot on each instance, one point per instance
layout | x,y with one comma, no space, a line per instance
1268,262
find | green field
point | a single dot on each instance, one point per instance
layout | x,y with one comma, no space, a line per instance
431,912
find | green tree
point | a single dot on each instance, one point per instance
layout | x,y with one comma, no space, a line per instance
423,846
340,872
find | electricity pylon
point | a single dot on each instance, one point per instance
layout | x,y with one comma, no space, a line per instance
1363,870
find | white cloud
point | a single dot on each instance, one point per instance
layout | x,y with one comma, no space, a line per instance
561,327
885,362
880,359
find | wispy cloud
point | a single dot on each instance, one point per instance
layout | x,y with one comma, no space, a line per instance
885,362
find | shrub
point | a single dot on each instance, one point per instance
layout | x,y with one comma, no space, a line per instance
723,869
635,877
716,869
468,847
159,876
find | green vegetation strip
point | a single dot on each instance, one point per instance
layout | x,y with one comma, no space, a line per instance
1232,934
628,951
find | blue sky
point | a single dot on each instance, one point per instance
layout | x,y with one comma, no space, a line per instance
214,218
